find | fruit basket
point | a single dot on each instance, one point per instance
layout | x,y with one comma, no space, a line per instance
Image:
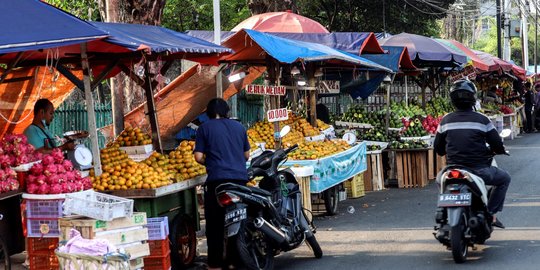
82,261
97,205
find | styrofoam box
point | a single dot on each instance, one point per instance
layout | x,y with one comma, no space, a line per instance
97,205
315,138
25,167
139,149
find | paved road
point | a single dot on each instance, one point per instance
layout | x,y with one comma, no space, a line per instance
392,229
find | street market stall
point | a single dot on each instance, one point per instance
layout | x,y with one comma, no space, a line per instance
106,56
277,54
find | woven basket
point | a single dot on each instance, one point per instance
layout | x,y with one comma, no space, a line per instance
70,261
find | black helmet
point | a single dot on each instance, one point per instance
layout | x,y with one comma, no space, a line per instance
463,94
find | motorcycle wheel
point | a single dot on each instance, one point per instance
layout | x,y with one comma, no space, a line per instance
458,242
254,248
4,254
314,246
331,200
183,241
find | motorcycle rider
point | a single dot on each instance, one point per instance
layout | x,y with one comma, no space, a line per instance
462,136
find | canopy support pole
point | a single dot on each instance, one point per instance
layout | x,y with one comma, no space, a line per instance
72,78
151,110
312,81
406,92
90,108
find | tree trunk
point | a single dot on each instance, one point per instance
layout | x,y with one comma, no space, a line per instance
127,94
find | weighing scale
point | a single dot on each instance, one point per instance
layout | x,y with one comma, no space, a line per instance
80,156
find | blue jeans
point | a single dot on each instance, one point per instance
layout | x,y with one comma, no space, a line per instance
500,180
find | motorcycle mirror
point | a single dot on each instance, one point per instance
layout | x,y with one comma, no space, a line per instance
505,133
284,131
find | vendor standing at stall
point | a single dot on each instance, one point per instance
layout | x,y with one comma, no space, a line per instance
38,133
222,147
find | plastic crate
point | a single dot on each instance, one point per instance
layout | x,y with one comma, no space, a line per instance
158,262
159,247
37,244
158,228
44,208
97,205
43,261
42,228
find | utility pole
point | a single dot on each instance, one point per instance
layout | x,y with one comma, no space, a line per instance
499,45
535,37
506,27
524,10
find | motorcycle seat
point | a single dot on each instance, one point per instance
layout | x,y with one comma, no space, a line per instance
260,191
232,186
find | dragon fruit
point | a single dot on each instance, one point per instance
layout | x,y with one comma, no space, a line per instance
31,179
32,188
57,155
47,160
41,179
56,189
36,169
67,165
50,169
43,189
13,184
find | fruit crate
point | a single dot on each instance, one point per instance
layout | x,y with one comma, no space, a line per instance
39,244
373,176
158,262
159,247
47,228
44,260
98,205
44,208
411,168
355,186
158,228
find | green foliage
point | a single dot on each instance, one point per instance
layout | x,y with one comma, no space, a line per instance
365,16
84,9
182,15
488,42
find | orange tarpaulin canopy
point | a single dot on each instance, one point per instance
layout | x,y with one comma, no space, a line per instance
18,98
184,99
285,21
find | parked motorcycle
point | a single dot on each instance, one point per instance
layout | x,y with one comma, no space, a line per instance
462,216
268,219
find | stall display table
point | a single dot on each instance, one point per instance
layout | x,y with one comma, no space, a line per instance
333,170
507,121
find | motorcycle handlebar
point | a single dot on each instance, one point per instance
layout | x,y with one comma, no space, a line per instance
290,149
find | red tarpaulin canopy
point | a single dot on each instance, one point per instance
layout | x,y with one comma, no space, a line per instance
281,22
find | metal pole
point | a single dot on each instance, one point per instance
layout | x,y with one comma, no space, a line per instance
535,37
92,128
217,22
406,92
499,45
151,110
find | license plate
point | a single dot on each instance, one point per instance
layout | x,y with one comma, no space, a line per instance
235,216
461,199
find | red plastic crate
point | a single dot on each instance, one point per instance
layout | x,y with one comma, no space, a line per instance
158,262
159,247
43,260
34,244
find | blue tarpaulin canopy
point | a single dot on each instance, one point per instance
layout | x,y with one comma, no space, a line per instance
394,58
351,42
32,24
252,46
156,39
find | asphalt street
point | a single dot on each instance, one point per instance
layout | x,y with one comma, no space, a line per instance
392,229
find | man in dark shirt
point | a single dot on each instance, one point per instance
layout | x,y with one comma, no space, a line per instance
529,101
462,137
222,147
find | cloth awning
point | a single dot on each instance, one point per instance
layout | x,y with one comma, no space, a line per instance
32,25
394,58
156,39
351,42
477,62
426,52
253,46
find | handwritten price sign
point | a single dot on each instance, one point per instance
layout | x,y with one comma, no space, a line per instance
265,90
277,115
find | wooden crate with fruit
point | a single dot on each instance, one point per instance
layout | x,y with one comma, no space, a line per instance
411,168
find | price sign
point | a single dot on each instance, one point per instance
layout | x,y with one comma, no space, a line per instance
265,90
277,115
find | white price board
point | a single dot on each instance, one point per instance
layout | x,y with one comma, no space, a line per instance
265,90
277,115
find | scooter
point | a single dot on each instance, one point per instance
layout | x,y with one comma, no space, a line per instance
462,216
268,219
